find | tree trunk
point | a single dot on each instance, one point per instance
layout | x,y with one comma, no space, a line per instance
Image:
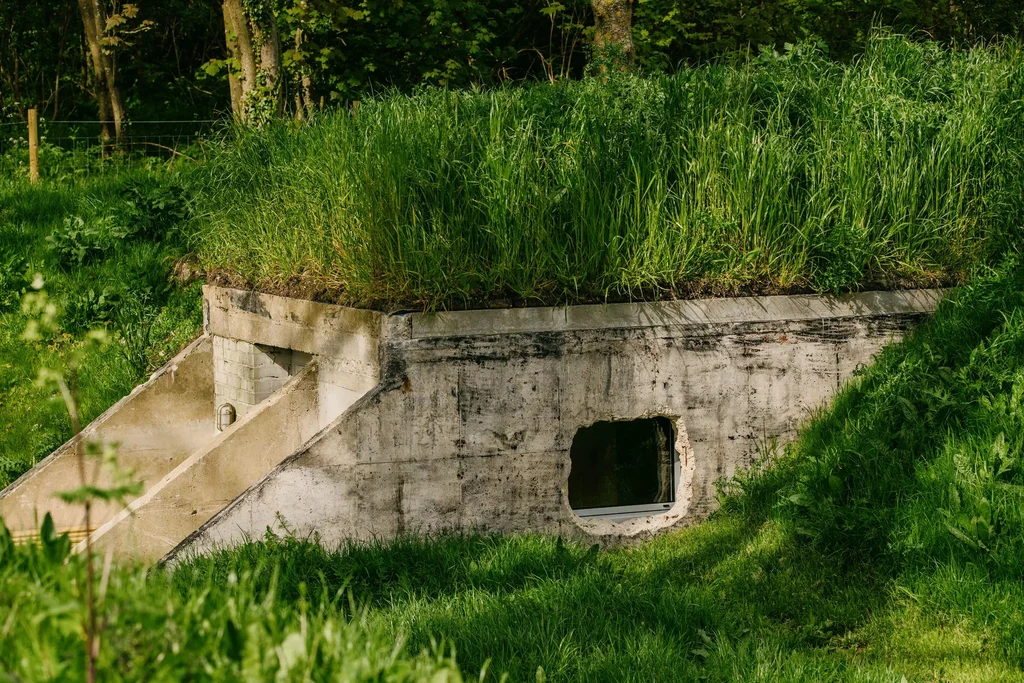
304,89
613,34
96,75
108,94
260,77
266,36
231,38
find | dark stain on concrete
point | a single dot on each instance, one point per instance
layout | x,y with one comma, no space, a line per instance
549,344
250,302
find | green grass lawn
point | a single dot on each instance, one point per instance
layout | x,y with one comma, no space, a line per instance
788,173
885,545
105,246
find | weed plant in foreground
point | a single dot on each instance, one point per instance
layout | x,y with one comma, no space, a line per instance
884,545
790,173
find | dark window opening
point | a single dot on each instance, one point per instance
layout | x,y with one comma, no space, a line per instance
623,469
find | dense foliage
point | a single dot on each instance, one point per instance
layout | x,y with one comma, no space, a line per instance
175,69
672,32
43,61
790,172
885,545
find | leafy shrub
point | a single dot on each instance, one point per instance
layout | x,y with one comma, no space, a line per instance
81,241
148,209
152,209
89,307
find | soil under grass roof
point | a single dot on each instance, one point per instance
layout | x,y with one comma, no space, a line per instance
787,174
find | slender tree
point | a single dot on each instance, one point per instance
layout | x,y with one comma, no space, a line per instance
101,74
304,86
613,34
250,29
234,61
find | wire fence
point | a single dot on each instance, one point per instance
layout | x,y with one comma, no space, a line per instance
78,149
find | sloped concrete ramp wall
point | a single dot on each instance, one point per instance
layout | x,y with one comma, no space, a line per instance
214,475
156,427
471,424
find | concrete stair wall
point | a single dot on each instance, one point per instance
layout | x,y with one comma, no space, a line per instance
156,427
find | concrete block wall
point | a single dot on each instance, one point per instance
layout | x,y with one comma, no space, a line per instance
246,374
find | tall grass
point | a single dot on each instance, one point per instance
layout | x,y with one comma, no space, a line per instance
904,168
236,628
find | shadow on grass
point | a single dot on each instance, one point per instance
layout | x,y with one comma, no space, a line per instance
695,604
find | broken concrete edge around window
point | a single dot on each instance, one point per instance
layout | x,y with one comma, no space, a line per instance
463,421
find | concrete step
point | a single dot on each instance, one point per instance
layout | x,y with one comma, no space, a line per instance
215,474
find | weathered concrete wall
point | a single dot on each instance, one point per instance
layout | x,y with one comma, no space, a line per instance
345,341
214,475
471,424
156,427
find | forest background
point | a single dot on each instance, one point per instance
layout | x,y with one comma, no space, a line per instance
185,59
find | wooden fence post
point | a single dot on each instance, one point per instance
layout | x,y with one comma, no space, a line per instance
33,146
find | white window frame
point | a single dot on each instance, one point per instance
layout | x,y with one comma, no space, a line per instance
624,513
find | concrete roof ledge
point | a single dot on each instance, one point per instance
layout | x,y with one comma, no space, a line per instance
307,326
325,328
673,313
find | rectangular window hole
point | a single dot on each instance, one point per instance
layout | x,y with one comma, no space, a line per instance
623,469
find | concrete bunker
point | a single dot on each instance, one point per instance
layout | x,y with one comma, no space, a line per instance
605,422
472,417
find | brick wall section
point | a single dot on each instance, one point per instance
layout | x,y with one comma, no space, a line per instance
245,374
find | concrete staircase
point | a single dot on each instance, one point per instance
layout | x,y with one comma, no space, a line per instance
165,431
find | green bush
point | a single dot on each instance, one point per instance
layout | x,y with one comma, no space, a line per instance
154,208
78,241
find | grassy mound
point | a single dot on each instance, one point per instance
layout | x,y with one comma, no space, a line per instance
884,545
105,246
790,173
